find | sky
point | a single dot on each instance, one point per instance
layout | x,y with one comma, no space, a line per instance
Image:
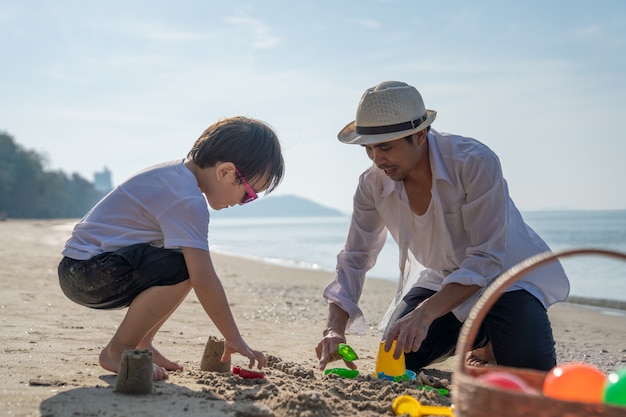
125,84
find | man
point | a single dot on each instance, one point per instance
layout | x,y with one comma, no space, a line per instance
445,202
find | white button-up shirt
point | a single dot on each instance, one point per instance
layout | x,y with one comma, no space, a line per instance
471,233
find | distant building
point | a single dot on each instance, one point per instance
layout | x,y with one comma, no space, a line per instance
102,180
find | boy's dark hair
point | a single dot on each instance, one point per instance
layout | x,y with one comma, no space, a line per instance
248,143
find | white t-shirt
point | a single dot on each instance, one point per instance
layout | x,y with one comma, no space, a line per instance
161,205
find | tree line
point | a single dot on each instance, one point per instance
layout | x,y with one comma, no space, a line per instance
29,190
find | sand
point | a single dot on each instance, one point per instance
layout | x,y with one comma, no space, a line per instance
50,345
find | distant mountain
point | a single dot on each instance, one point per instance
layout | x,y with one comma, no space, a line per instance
278,206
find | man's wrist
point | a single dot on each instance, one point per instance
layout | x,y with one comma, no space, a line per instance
334,333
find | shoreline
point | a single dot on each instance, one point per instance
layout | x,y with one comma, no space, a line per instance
583,299
605,303
600,303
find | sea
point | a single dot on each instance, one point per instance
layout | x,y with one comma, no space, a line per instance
313,243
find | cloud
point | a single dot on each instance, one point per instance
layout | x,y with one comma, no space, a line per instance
366,23
153,31
259,34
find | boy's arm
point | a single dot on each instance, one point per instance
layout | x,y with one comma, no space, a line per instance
211,295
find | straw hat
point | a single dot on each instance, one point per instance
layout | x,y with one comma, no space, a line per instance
387,111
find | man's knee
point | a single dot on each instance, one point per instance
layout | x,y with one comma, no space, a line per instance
520,332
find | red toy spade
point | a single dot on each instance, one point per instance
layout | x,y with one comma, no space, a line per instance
244,373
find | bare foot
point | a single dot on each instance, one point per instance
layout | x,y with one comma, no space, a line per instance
110,360
159,359
481,357
159,373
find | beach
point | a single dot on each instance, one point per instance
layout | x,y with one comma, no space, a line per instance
50,345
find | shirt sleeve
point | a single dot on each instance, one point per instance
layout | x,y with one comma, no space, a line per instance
366,237
484,215
186,224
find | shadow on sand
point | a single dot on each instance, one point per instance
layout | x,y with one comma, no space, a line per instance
167,399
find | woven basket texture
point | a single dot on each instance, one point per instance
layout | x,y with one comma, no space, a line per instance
473,399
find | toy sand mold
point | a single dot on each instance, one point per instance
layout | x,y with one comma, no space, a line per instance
473,399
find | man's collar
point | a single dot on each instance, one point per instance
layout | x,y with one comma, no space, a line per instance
438,166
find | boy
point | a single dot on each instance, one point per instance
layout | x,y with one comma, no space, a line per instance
145,245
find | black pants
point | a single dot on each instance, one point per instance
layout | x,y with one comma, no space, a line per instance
113,279
517,327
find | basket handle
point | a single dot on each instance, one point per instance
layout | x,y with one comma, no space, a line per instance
492,292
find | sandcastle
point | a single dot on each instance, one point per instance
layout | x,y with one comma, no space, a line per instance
211,359
135,373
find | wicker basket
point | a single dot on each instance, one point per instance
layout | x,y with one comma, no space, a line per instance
472,399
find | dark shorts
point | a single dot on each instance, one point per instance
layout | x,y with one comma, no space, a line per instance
113,279
517,327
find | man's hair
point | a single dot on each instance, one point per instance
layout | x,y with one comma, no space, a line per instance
251,145
410,137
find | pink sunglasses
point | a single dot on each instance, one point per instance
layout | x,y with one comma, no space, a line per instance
250,195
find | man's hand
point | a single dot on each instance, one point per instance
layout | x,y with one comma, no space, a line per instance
411,330
326,349
409,333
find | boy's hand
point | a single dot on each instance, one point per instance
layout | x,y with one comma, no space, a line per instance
242,348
